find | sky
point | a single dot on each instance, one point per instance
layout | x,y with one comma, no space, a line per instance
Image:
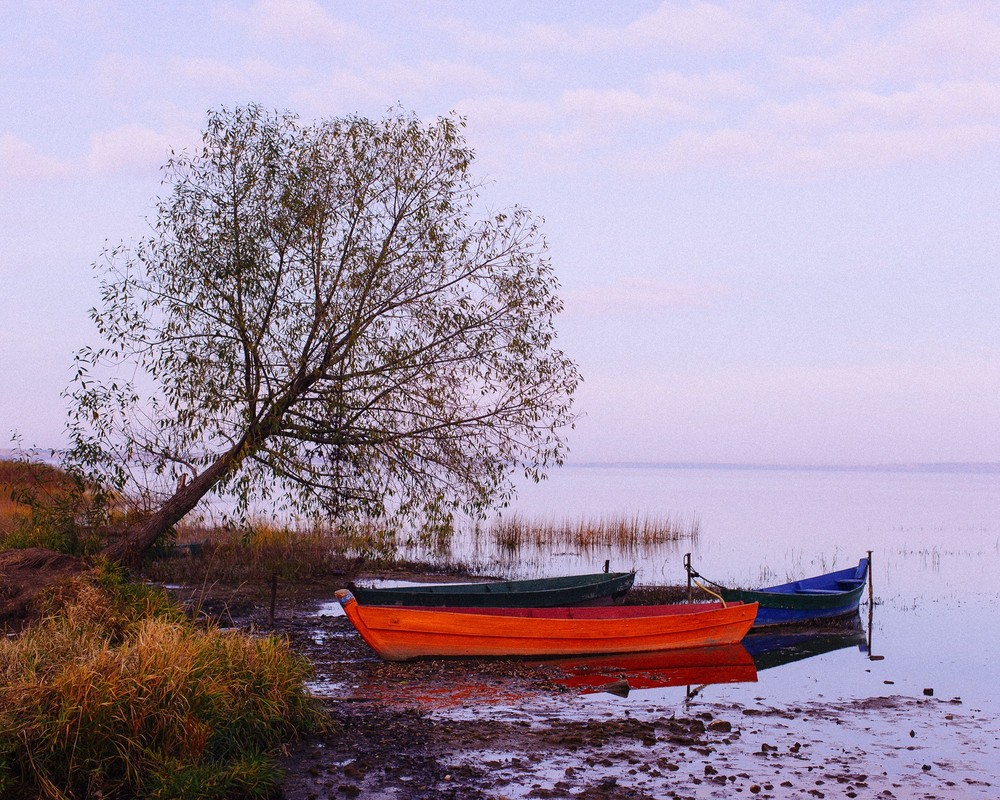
775,224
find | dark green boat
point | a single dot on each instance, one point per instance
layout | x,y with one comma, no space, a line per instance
601,588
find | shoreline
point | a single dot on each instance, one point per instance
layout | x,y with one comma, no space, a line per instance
497,729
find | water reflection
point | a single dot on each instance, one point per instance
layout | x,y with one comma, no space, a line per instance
619,674
697,668
467,683
773,649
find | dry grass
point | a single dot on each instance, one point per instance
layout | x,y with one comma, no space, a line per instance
18,479
252,555
117,694
43,506
624,533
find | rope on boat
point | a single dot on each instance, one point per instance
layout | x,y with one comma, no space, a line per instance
709,591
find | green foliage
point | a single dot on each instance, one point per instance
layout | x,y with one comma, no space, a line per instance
324,321
117,692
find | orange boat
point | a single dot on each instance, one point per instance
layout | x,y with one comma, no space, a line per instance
399,633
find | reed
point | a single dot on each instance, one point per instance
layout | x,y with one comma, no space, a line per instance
117,694
624,533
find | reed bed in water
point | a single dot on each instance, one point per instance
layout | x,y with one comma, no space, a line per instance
117,694
624,533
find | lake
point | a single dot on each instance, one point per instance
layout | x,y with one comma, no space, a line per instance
934,533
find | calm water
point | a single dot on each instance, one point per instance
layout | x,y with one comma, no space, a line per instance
936,562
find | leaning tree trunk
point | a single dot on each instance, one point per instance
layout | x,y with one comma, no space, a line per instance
130,549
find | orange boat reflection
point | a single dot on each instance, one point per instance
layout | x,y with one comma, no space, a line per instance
689,667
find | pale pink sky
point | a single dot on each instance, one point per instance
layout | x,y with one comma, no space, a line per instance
775,223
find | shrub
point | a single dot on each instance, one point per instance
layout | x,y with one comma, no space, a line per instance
44,506
117,692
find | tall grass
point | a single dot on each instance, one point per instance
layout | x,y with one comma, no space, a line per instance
624,533
117,694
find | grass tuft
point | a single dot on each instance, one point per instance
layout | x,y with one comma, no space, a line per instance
117,694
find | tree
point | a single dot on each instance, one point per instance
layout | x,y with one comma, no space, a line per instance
318,316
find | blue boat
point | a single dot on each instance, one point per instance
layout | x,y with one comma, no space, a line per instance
821,598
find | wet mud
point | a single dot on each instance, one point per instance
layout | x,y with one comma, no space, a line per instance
508,729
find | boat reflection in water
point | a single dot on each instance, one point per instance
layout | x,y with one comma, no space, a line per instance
622,673
696,668
776,647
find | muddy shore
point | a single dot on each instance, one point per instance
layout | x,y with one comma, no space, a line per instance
508,729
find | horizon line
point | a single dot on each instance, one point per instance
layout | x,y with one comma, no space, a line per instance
967,467
978,467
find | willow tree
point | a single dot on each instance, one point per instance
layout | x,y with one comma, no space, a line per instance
320,316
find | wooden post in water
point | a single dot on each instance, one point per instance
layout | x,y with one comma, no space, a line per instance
871,610
274,594
687,568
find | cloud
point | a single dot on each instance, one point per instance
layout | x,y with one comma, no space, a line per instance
845,129
624,106
500,111
21,161
375,90
884,148
755,151
945,104
704,27
640,296
133,150
433,75
699,27
948,42
813,90
701,88
302,22
670,97
723,147
215,74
